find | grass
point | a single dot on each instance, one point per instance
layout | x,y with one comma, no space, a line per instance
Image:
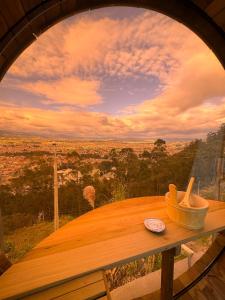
22,240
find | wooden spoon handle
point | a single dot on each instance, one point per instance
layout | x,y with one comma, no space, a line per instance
185,201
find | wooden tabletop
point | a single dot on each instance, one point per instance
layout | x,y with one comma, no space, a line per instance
100,239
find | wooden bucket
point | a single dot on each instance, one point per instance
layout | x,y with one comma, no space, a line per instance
189,217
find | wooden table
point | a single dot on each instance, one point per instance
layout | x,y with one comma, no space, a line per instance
101,239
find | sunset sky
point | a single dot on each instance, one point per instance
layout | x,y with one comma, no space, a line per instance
115,73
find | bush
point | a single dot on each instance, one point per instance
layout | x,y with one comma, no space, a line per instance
125,273
17,220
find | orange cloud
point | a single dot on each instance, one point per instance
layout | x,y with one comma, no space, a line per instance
80,124
72,90
190,100
64,122
200,79
150,44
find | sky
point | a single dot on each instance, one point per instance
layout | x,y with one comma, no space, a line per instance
115,73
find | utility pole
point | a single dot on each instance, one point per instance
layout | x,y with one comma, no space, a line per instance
198,187
56,200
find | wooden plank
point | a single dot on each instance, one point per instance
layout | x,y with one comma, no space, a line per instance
2,60
107,287
68,6
52,14
3,26
220,19
90,245
71,286
91,291
30,4
37,23
202,3
215,7
167,274
12,12
212,285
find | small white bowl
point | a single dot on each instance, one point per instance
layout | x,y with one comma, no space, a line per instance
154,225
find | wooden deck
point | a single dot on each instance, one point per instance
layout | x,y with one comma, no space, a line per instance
98,240
212,286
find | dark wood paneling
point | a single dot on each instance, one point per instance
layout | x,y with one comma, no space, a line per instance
2,60
30,4
220,19
202,3
25,37
38,24
7,39
68,6
215,7
53,14
3,26
12,11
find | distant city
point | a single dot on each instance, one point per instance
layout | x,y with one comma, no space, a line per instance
19,152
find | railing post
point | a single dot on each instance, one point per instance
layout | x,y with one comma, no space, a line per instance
167,274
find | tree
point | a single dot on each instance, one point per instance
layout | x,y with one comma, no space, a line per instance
159,150
74,154
105,166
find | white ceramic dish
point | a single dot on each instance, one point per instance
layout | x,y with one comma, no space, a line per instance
154,225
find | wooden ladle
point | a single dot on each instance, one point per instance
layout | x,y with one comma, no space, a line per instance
185,201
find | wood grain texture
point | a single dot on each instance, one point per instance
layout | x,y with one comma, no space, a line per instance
220,18
92,291
202,3
101,239
215,7
212,286
80,286
167,274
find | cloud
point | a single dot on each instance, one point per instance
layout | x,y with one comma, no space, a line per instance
149,44
64,122
200,79
69,90
192,123
68,64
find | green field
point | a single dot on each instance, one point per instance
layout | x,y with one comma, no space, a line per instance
22,240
